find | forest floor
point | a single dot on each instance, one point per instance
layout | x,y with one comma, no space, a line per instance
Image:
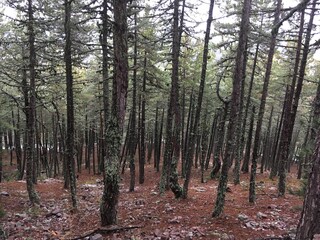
144,214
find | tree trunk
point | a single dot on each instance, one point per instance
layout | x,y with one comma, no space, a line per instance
267,75
173,104
142,158
290,114
195,128
70,106
30,110
310,216
234,108
109,201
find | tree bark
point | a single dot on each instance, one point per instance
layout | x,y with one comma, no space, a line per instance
267,75
109,201
195,128
234,107
291,115
70,106
310,216
30,110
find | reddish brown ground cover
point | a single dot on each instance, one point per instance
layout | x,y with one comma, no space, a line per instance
158,216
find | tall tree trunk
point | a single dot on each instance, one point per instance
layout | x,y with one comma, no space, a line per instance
173,105
70,107
109,201
132,144
234,107
310,216
195,128
267,75
142,158
30,110
288,130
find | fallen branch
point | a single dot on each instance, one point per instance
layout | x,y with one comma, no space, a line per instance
106,230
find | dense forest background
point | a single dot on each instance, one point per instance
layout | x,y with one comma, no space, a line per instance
217,87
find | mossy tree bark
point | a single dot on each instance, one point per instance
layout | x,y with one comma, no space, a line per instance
234,107
109,201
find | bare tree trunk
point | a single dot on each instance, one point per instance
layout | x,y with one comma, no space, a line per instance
30,110
310,216
70,107
257,137
195,128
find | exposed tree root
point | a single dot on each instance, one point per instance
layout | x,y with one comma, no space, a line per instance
106,230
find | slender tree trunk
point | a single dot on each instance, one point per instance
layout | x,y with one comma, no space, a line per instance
160,141
173,105
156,136
219,142
211,141
142,158
234,108
246,161
30,110
252,193
256,144
70,106
17,141
292,114
132,131
267,143
310,217
195,128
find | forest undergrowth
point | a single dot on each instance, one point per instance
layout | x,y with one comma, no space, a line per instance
145,214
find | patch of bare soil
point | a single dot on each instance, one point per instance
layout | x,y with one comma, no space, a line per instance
151,216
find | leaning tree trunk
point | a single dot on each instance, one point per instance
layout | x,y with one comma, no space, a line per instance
234,107
109,201
30,110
